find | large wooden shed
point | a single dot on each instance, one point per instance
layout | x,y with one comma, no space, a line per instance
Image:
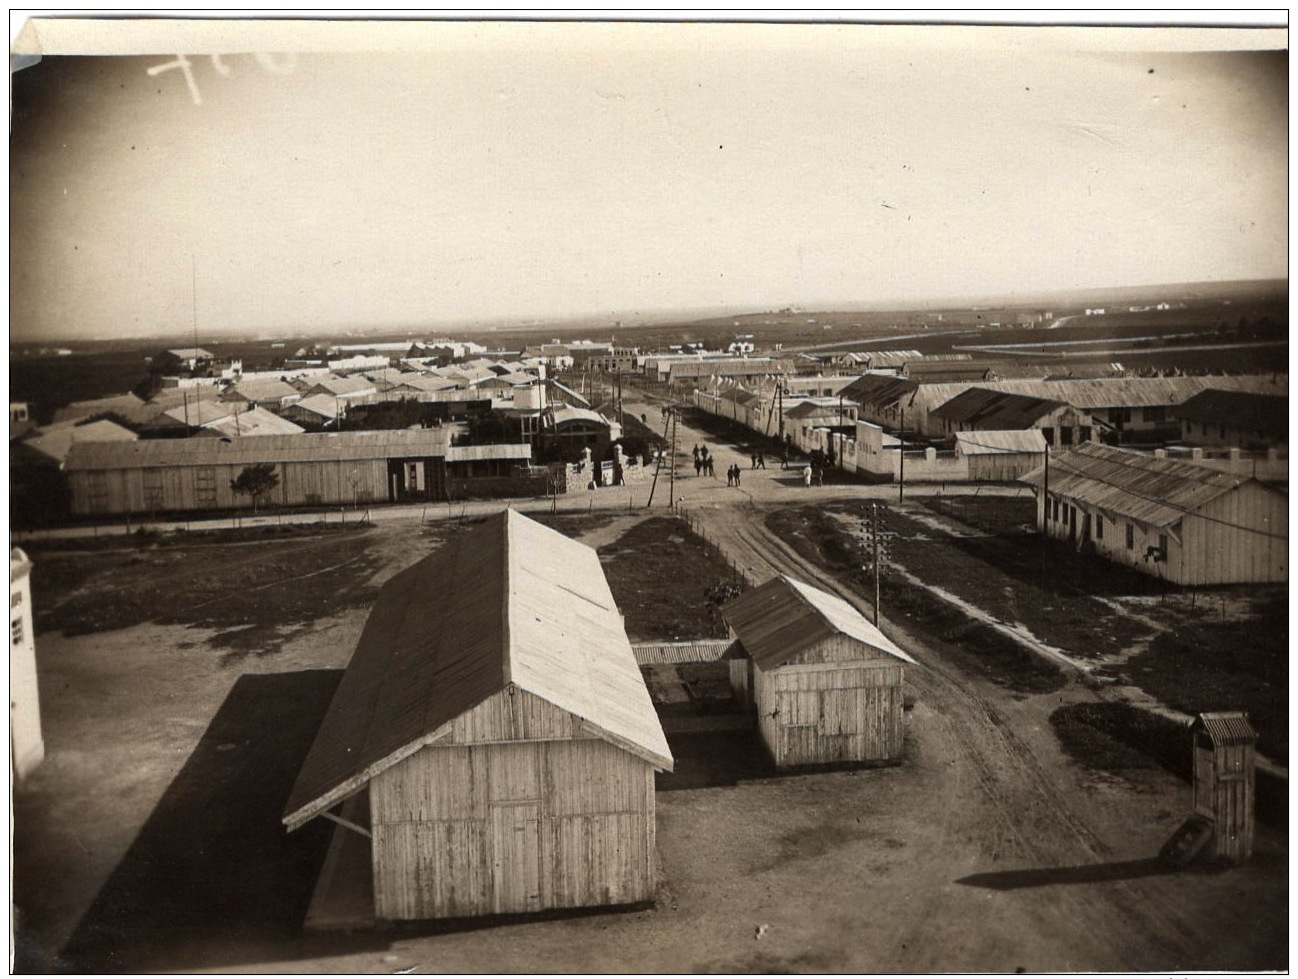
493,737
826,682
1179,521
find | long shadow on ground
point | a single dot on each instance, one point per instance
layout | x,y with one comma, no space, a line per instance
1094,873
213,867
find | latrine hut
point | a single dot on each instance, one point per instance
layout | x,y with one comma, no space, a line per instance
492,742
827,683
1223,782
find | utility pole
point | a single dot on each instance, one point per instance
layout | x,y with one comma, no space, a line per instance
874,523
671,472
901,478
1045,494
659,466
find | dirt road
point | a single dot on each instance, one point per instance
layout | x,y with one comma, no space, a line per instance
1018,858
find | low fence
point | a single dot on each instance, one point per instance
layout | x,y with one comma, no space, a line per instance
699,651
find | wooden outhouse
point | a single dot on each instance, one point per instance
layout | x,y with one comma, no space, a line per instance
826,682
493,738
1223,782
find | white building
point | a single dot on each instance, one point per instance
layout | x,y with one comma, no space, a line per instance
26,746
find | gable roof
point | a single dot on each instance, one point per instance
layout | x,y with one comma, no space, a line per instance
819,408
306,447
56,441
879,390
998,410
261,389
510,602
257,422
201,412
1156,492
780,619
1242,411
331,384
1024,440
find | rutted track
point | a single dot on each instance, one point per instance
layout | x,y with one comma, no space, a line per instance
1020,817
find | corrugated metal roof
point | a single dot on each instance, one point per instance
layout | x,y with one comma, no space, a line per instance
340,385
999,410
84,409
324,405
780,619
307,447
1029,440
56,441
466,453
1227,728
1155,492
509,602
258,422
879,390
819,408
1243,411
200,412
261,389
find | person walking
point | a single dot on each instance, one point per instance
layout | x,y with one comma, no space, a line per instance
698,465
753,461
761,461
806,476
711,469
738,472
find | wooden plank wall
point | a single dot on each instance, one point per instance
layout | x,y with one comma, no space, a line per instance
1233,801
703,651
825,714
137,490
454,826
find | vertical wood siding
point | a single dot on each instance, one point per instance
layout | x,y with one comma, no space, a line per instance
831,713
458,829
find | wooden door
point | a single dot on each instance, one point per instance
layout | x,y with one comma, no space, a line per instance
515,857
1205,780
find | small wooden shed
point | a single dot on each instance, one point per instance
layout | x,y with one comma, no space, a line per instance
826,682
493,737
1223,781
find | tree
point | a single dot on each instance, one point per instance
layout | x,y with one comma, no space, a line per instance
256,481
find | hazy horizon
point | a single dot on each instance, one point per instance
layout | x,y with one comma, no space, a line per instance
701,173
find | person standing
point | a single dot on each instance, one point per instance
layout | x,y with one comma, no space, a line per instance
806,476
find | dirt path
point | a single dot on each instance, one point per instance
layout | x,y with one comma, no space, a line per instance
1006,798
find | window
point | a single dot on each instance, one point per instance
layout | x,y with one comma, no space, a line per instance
1099,527
1055,514
1162,546
1066,435
1049,434
1131,537
16,632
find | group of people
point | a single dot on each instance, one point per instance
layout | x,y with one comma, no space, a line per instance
703,462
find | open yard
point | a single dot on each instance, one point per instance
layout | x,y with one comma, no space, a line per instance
149,840
1217,649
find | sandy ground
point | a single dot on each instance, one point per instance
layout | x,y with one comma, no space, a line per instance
149,839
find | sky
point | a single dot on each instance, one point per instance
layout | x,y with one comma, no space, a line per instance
504,177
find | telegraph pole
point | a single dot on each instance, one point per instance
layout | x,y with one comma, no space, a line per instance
671,471
901,479
1045,494
874,523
